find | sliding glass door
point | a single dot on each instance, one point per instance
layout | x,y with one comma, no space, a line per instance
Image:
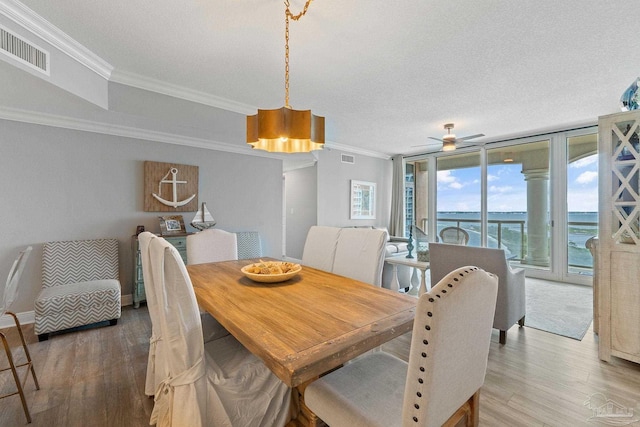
518,202
582,202
459,196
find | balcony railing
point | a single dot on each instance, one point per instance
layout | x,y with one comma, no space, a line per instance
511,234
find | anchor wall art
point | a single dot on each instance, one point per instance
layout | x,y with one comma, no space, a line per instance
170,187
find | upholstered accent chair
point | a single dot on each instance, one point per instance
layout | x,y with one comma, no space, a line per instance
511,306
219,383
447,364
80,285
8,296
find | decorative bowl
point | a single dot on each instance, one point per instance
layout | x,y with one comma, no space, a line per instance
291,271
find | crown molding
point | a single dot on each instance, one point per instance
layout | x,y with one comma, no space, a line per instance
31,21
356,150
52,120
181,92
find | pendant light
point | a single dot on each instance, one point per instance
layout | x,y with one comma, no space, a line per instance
285,130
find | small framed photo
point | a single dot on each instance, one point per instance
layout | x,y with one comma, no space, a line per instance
172,224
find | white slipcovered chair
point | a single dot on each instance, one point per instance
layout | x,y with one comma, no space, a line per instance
447,363
320,247
211,245
360,254
511,306
8,296
211,329
219,383
80,285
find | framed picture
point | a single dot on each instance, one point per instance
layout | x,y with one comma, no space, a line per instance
363,200
173,224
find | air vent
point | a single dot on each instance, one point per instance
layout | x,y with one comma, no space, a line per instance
24,51
346,158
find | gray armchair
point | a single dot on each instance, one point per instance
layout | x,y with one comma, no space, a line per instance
511,302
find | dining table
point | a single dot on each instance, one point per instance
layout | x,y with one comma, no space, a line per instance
303,327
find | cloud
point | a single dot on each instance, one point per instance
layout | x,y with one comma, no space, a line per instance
500,189
446,177
585,161
492,178
456,185
587,177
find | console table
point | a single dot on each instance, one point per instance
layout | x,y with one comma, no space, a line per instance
394,261
180,243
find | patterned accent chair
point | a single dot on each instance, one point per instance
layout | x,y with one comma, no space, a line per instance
79,285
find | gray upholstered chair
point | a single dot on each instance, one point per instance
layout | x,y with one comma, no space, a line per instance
79,285
454,235
8,296
447,363
511,305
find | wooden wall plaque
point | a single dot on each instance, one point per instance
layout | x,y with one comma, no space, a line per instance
158,181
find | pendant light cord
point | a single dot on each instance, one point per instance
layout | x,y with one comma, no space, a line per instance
287,15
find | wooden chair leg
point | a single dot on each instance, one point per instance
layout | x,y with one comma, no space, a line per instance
503,337
474,402
469,411
12,367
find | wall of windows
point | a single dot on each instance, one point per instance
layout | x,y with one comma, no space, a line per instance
534,197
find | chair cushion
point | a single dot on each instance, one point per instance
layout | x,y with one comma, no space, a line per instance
76,304
374,385
75,295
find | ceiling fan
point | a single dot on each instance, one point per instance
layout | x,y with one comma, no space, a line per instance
450,141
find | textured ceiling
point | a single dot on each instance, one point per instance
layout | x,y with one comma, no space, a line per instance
386,75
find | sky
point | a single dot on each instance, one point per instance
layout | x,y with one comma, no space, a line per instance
459,189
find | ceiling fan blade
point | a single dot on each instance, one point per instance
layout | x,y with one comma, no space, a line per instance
437,139
465,138
428,145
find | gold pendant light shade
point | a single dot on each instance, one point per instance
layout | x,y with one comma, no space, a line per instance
285,130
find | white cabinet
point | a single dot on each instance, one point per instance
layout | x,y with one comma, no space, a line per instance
619,236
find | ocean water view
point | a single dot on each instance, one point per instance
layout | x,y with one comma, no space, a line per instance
509,230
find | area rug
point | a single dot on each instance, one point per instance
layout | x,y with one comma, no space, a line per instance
560,308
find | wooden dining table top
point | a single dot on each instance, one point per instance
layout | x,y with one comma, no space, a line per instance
305,326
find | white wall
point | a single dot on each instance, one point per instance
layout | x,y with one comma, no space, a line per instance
334,188
60,184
